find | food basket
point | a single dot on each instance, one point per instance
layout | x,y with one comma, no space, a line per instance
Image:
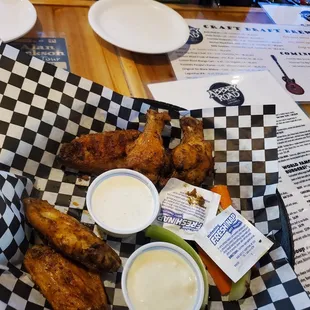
42,106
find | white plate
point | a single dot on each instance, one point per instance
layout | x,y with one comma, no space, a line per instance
142,26
17,17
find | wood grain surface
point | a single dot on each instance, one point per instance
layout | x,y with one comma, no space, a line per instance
125,72
89,55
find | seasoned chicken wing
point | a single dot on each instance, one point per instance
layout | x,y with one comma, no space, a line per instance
143,152
97,153
70,237
64,284
192,158
147,153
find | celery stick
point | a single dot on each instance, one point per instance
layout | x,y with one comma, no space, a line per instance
162,234
239,288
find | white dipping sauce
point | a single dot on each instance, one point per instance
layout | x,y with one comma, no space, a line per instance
161,279
122,202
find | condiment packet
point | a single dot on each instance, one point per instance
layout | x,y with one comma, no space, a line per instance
232,242
185,208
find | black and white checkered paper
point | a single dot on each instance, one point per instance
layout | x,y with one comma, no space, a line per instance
42,106
14,231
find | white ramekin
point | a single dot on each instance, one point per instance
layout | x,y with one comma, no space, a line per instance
170,247
123,172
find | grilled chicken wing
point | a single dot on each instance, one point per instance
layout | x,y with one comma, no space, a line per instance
64,284
143,152
67,235
97,153
192,158
147,153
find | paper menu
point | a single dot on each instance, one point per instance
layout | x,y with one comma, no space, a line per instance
288,14
227,47
299,214
249,88
293,134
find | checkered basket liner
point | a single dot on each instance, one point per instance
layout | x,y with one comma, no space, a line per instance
14,230
42,106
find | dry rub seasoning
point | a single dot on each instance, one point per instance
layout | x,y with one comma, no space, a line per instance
195,199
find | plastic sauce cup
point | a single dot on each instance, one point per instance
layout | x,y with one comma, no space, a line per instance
175,249
120,197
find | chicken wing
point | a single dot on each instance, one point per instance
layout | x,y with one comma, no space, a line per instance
97,153
147,153
192,158
64,284
70,237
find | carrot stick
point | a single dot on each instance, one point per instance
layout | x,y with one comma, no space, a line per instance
221,280
225,196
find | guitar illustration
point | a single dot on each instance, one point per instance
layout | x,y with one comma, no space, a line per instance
290,84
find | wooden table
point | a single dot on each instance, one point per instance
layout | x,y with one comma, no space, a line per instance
123,71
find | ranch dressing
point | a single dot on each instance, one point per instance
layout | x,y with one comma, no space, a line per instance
122,202
161,279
